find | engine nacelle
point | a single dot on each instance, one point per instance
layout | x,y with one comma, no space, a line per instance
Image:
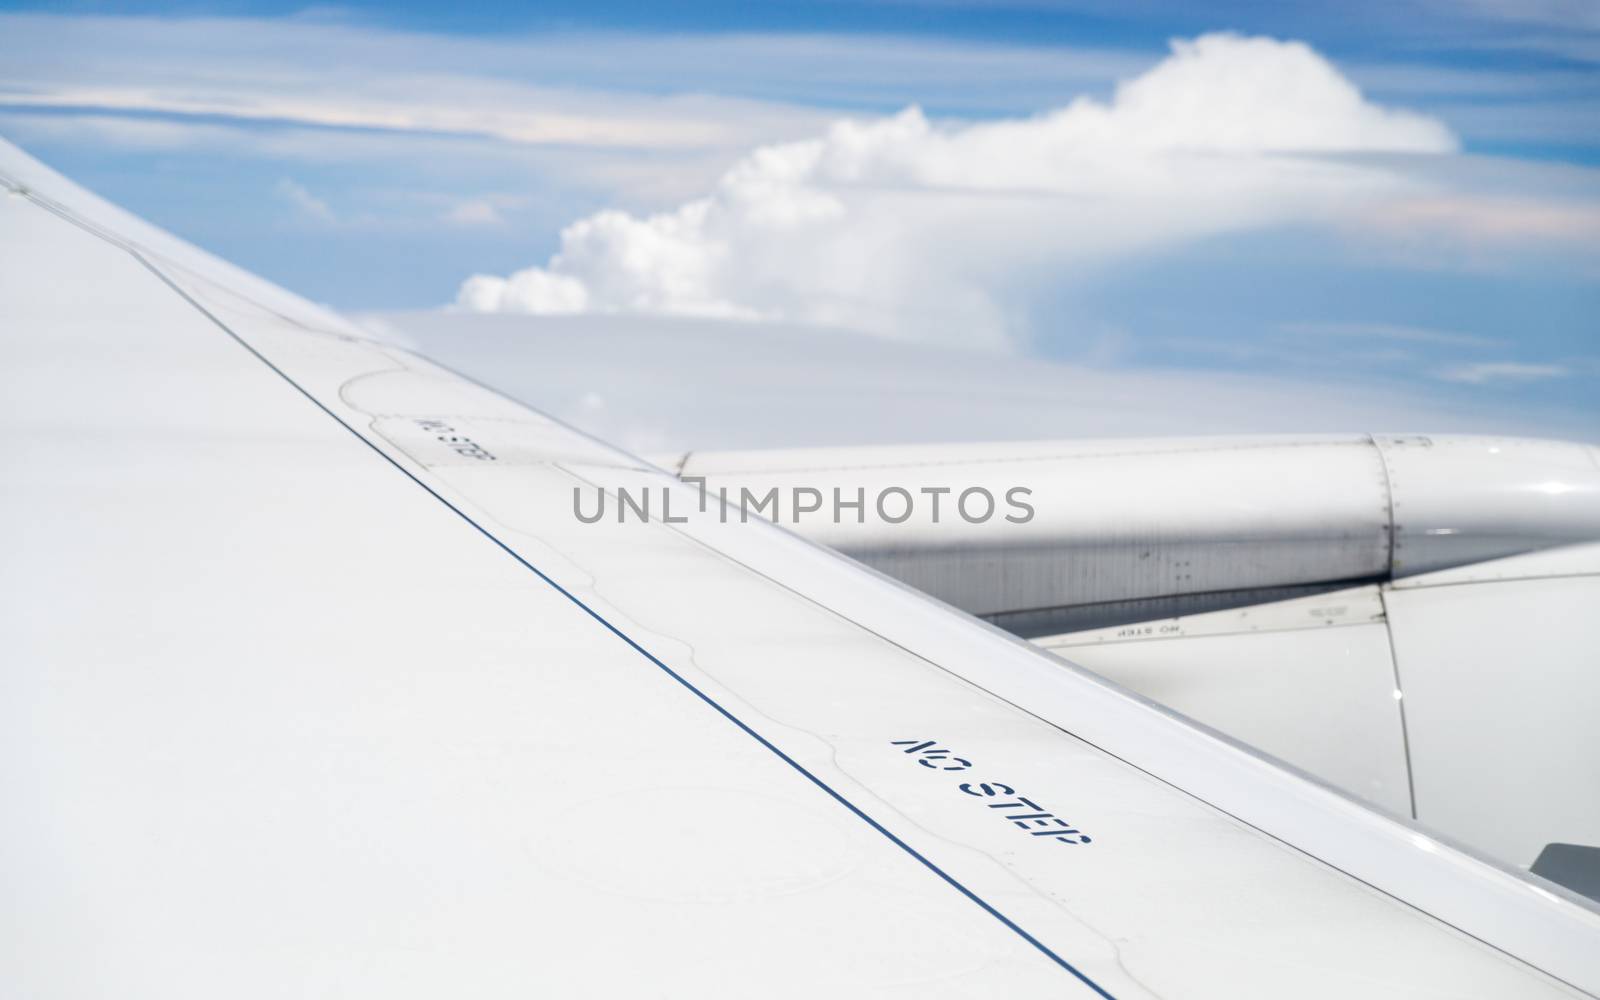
1138,529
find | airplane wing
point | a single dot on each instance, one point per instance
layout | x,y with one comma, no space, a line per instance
318,683
1400,615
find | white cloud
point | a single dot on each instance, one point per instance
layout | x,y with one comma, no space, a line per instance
476,212
906,229
1577,14
777,385
1389,331
1492,219
303,201
532,291
1501,371
558,91
511,112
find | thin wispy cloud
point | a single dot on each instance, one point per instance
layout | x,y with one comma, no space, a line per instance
477,212
304,202
1494,219
602,90
1479,373
1389,332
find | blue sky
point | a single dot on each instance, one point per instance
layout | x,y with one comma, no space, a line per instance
374,159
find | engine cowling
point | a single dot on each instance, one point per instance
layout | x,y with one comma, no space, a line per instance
1132,530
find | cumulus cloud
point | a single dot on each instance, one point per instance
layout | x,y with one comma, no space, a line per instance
958,233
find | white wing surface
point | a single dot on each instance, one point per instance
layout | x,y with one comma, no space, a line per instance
316,686
1493,663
